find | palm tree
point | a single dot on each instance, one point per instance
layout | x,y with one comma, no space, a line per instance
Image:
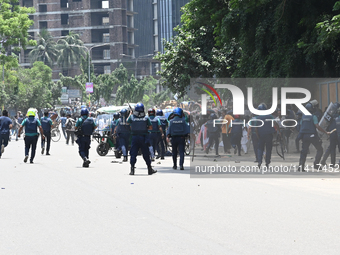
70,51
45,50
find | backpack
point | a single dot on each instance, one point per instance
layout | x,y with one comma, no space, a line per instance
69,124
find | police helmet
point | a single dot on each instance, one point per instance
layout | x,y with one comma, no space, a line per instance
262,107
159,112
178,111
116,115
139,107
84,111
309,107
124,112
31,112
213,116
151,112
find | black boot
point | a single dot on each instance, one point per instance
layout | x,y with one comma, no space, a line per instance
151,171
86,162
125,159
132,170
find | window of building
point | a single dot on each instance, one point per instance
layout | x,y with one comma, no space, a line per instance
64,3
106,37
105,4
42,8
107,69
76,0
31,35
64,19
130,38
106,54
131,52
105,20
27,3
65,32
42,24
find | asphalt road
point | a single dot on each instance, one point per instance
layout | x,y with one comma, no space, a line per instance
55,206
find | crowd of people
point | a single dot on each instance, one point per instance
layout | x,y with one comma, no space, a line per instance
150,134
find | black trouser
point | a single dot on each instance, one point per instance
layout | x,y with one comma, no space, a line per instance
69,134
308,139
214,139
31,143
236,141
226,142
297,142
265,141
255,141
178,144
331,150
47,139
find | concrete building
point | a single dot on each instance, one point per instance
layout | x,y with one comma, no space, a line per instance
105,27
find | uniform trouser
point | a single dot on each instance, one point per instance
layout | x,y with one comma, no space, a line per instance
68,135
124,139
47,139
236,141
31,143
165,144
308,139
331,150
154,140
84,143
160,146
226,142
178,143
139,142
214,139
255,141
297,142
286,132
3,140
265,141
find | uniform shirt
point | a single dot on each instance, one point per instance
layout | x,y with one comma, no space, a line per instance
50,121
30,134
81,120
226,126
158,123
315,120
187,131
4,125
148,122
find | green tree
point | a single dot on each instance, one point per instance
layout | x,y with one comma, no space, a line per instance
45,50
70,51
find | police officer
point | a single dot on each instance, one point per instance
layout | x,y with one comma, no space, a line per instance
31,125
140,125
86,126
5,126
156,133
236,134
213,133
265,135
46,124
254,137
114,124
309,135
178,130
124,132
164,124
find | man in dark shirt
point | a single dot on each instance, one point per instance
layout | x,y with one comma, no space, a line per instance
5,126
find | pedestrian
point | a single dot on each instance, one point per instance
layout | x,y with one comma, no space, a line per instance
309,135
213,134
31,124
46,124
236,134
15,127
265,134
164,124
124,132
84,128
156,133
254,137
226,136
140,125
63,122
177,131
70,128
5,126
244,140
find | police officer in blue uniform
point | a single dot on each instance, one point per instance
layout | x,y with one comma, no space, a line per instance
309,135
156,133
5,126
31,125
254,137
236,134
213,133
124,132
86,126
164,124
140,125
114,124
265,135
46,124
178,130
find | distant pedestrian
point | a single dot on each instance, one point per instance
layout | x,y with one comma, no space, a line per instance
46,124
70,128
5,126
63,122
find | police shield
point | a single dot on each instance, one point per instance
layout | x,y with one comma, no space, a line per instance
327,116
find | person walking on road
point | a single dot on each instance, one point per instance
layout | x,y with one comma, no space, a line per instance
70,125
140,125
124,132
5,126
85,127
46,124
63,124
31,125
